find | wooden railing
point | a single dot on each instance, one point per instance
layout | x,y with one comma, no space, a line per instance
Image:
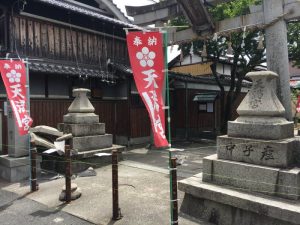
43,39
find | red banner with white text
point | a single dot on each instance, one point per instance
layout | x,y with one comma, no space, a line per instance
14,78
298,105
147,62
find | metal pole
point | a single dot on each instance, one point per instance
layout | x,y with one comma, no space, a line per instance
174,191
28,111
115,189
165,36
33,179
68,173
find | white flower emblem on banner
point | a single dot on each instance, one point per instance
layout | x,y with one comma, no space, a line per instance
146,57
13,76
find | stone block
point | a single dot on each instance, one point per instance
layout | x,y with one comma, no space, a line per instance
92,142
277,153
289,183
225,206
81,118
14,169
243,176
267,180
261,128
79,130
81,103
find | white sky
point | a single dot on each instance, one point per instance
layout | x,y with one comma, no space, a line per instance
121,3
172,52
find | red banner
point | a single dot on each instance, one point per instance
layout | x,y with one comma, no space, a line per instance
298,105
14,78
147,62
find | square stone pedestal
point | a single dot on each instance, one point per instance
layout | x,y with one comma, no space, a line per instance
248,177
14,169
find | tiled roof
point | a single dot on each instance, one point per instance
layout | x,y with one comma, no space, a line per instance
225,80
73,6
183,77
72,70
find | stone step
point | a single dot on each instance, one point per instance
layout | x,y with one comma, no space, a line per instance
79,130
225,206
276,153
91,142
248,177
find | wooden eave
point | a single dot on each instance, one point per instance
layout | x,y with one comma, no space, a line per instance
86,10
196,12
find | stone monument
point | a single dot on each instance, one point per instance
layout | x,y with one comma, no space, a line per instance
89,137
15,166
253,178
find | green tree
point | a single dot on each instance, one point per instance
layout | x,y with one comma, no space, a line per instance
245,56
294,42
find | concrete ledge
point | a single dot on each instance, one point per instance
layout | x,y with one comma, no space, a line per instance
233,207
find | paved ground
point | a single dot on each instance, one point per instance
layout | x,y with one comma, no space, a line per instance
15,209
144,192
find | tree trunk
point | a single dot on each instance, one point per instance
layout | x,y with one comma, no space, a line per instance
222,96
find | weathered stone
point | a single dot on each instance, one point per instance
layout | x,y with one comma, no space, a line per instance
81,118
240,175
73,187
14,169
244,176
272,128
92,142
89,137
261,113
261,100
74,195
78,130
88,173
18,145
276,153
39,141
47,132
227,206
81,103
289,183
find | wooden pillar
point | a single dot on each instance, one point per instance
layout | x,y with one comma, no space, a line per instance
277,51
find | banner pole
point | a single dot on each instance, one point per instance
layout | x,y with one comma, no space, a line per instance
28,111
165,35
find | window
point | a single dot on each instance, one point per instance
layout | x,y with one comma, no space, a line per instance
202,107
136,100
206,107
